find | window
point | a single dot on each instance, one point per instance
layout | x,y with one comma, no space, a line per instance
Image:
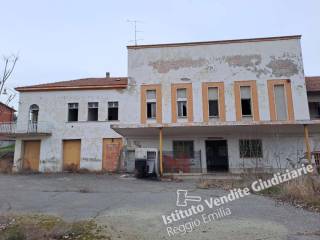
34,112
183,149
314,108
93,111
182,102
250,148
246,108
151,104
213,96
113,111
73,112
280,101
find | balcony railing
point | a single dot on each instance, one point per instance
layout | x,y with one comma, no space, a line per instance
27,128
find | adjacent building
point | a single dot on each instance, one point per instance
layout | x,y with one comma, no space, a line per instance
232,106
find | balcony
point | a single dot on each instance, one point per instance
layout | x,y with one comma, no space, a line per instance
12,129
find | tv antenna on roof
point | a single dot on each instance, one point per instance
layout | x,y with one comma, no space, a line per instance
134,22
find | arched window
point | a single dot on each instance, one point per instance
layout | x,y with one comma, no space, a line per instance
34,111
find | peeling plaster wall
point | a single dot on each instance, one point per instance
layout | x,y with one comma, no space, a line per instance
54,110
260,61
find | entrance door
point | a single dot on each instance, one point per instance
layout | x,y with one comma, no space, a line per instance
217,155
111,153
71,155
31,156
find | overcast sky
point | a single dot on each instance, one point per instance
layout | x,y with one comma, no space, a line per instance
69,39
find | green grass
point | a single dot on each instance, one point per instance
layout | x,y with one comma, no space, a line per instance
44,227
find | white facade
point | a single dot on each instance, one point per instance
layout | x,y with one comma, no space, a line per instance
165,65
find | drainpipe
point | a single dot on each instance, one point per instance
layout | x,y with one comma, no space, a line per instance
160,151
306,140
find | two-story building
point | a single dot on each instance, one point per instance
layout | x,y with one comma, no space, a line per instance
207,106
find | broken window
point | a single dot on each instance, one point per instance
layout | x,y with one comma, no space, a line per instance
246,106
280,102
151,104
250,148
112,111
73,112
93,111
182,102
213,96
183,149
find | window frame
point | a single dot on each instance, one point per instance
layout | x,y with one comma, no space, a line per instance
93,107
117,107
288,97
177,154
218,103
151,102
72,108
182,102
252,152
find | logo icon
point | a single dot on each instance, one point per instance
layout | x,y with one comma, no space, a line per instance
183,198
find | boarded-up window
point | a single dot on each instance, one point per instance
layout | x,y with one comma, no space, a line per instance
93,111
246,106
213,98
182,102
151,104
250,148
280,101
73,112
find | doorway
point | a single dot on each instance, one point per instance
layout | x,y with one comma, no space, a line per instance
217,155
111,152
31,156
71,155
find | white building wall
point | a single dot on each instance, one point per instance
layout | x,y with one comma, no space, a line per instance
53,112
260,61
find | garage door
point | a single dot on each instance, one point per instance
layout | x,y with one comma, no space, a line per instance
31,156
111,153
71,155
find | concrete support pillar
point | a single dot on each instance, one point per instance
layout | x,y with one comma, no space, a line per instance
306,140
160,151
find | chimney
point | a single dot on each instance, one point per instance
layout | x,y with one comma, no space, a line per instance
107,74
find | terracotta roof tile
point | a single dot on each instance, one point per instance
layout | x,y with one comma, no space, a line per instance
313,84
85,83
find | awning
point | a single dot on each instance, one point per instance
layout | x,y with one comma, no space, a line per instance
217,128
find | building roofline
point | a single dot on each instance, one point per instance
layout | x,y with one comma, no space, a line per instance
78,84
264,39
5,105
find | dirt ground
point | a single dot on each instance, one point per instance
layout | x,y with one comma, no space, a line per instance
132,209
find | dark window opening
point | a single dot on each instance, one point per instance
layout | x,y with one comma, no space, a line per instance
182,109
34,112
246,107
213,108
183,149
113,111
73,112
151,110
250,148
314,108
93,111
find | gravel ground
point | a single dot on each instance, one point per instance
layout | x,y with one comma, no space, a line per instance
133,209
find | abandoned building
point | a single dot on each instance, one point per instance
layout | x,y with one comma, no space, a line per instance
234,106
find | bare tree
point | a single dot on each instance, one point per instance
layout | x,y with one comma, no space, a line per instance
9,65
